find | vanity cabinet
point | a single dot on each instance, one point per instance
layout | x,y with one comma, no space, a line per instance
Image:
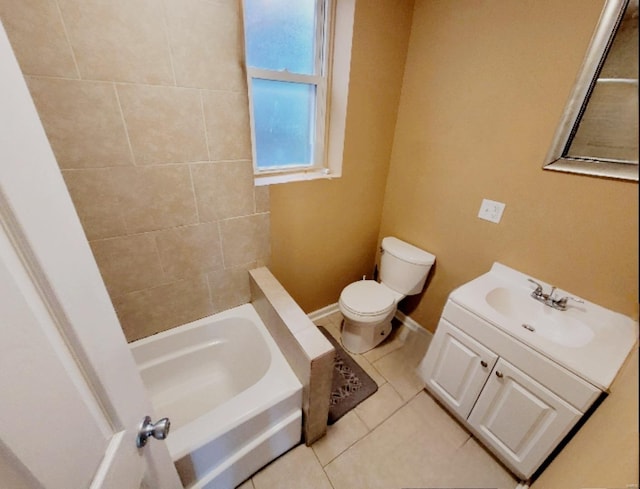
496,387
457,369
519,418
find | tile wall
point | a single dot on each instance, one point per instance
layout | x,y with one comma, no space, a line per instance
145,105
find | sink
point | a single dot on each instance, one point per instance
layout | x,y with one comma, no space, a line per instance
556,326
586,338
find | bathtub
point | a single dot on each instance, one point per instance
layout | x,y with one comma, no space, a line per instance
233,401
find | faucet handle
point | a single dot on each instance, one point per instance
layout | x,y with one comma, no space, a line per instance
562,303
538,291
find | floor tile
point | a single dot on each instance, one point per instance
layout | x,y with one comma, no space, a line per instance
340,436
399,368
473,466
403,451
400,437
246,485
379,406
335,318
373,372
442,426
330,327
295,469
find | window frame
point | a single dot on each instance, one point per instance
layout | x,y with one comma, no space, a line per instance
331,81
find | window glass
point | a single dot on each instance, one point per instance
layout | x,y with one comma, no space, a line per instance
284,115
280,35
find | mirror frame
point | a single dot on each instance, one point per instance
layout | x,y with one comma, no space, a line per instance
556,158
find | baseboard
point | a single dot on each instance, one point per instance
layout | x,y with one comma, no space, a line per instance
411,325
324,312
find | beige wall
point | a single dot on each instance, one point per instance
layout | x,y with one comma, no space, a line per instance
604,453
484,88
144,104
485,84
324,233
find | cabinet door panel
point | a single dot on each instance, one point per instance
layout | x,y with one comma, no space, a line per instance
456,367
520,419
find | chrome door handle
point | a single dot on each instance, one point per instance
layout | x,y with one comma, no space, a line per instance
159,430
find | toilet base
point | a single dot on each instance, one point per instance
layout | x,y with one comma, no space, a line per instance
361,337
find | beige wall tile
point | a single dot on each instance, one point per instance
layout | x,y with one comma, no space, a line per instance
96,202
206,43
154,198
229,288
119,40
315,420
227,119
223,189
190,250
83,122
37,36
153,310
262,198
245,239
128,263
165,124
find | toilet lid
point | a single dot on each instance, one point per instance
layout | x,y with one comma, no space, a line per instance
367,298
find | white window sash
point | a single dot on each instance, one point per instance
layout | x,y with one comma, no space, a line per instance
319,80
318,119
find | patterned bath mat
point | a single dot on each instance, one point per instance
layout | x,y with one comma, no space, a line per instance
351,384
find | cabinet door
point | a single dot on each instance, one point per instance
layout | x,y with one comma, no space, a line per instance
520,419
456,367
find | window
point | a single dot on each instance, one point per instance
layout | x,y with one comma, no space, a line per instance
297,89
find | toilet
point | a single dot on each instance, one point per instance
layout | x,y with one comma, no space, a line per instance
369,306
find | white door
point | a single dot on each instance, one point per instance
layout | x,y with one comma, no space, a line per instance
71,398
521,419
456,368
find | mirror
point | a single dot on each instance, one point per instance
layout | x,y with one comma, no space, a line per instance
598,133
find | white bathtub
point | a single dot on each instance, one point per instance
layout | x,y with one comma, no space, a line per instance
233,401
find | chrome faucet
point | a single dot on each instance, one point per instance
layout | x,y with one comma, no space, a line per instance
548,299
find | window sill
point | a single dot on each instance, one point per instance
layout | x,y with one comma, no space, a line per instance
294,177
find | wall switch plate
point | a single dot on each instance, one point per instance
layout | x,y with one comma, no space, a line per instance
490,210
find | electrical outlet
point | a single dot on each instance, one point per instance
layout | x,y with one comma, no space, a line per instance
490,210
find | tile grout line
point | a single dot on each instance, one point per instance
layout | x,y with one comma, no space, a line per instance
204,123
125,126
167,36
66,36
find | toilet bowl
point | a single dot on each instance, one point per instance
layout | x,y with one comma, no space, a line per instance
368,306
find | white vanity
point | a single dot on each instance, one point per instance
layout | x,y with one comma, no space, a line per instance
518,373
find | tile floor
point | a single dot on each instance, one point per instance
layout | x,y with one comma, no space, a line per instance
397,438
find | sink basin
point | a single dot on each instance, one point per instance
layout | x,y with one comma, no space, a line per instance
559,327
587,339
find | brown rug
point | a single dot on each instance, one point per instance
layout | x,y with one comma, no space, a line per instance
350,385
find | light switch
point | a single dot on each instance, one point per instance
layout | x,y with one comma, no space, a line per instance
490,210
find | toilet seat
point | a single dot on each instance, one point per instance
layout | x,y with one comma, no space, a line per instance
367,300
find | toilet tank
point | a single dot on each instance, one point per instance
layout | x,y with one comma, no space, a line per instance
403,267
